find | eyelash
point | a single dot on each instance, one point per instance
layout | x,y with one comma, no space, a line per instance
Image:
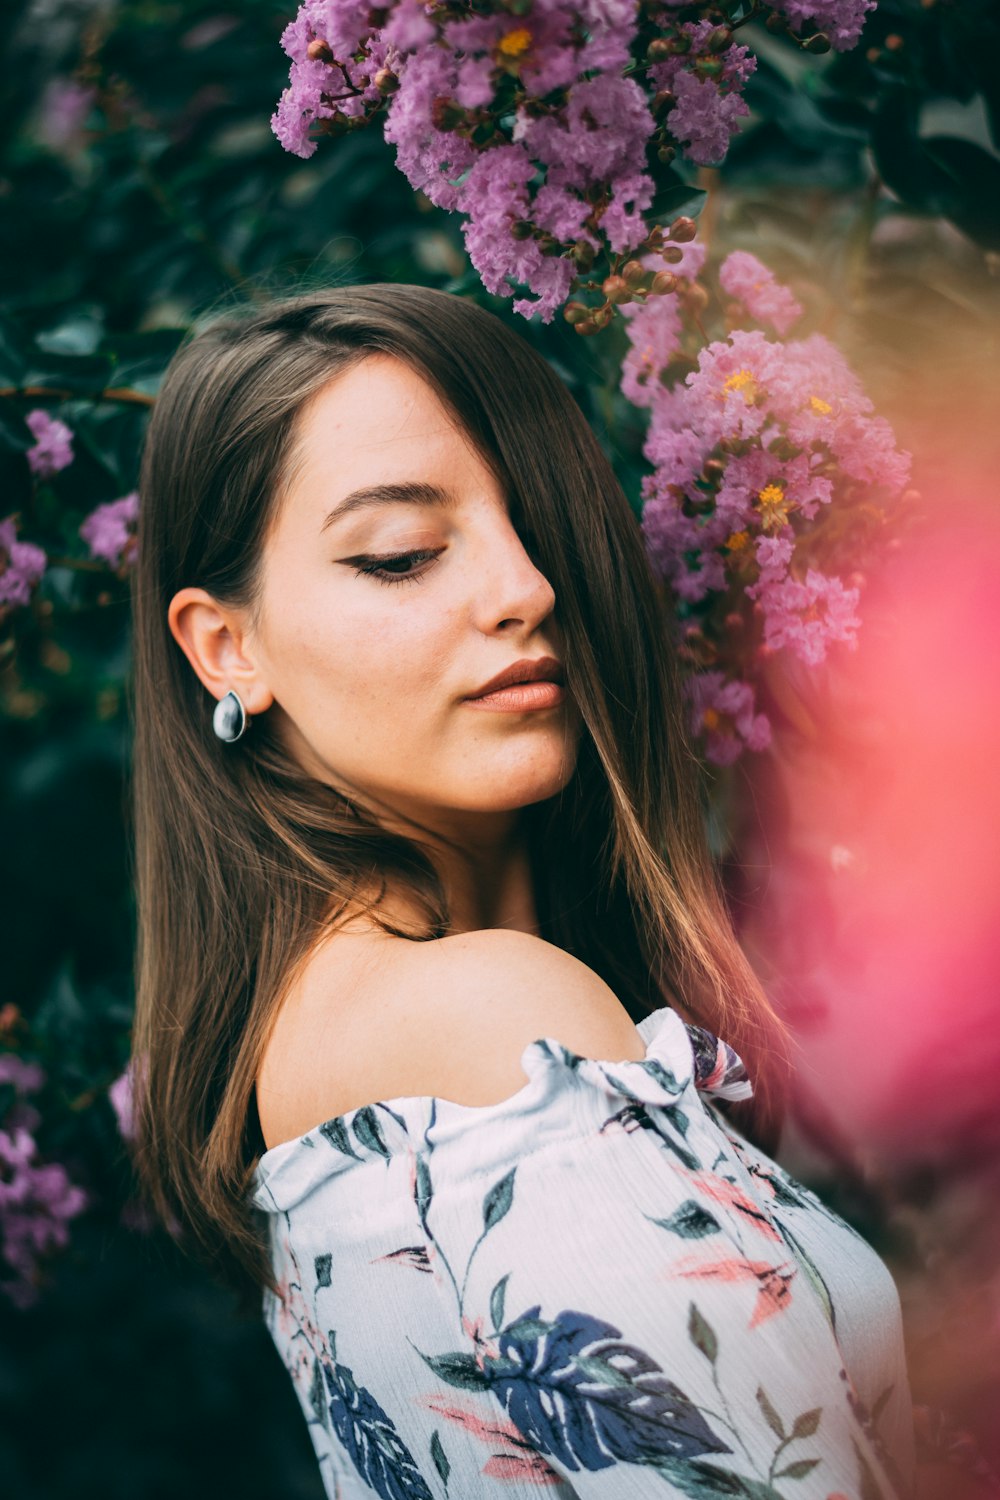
371,565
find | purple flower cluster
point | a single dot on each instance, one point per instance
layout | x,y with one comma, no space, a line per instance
751,284
841,20
749,450
110,530
705,86
21,565
722,709
53,448
36,1198
523,123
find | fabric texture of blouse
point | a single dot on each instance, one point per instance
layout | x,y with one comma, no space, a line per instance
597,1288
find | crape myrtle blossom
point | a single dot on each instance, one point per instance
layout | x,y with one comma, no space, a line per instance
706,88
110,530
21,565
749,450
840,20
53,447
723,711
522,119
750,282
36,1198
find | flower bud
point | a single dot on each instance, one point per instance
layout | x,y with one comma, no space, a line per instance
696,297
682,230
718,39
616,289
663,282
633,273
672,253
385,81
708,67
603,316
662,102
713,470
583,254
817,44
666,154
585,326
659,50
776,22
680,42
576,312
522,229
319,51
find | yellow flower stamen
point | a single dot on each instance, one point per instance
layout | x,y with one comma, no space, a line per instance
739,381
516,42
774,505
823,407
711,718
738,541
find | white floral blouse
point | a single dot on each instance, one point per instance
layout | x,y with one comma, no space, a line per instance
594,1288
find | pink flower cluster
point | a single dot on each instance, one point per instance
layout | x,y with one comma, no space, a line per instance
706,87
36,1198
53,448
21,565
748,450
751,284
841,20
110,530
471,113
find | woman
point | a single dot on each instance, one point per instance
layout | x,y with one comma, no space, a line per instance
397,923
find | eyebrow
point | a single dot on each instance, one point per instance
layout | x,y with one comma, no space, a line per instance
409,492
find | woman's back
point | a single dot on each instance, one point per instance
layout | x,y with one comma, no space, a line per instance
575,1274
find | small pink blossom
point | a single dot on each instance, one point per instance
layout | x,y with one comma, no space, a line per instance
744,277
723,711
53,447
109,530
36,1201
21,565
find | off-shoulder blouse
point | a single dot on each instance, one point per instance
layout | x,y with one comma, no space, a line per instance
597,1287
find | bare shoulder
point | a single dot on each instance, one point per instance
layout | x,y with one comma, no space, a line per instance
381,1018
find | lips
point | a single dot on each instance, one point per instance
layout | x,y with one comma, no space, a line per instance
536,669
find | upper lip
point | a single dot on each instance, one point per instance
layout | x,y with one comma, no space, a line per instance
528,669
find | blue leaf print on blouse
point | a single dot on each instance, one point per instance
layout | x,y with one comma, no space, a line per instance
575,1390
375,1447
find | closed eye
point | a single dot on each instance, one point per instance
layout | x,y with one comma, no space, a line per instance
382,568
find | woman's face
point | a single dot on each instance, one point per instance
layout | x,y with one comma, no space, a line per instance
370,672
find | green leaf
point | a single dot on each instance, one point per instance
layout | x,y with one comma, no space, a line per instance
458,1369
497,1299
690,1221
499,1199
702,1335
770,1415
440,1458
703,1481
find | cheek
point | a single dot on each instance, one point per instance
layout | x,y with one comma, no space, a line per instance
375,654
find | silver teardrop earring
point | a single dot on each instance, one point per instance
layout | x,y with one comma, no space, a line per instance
230,718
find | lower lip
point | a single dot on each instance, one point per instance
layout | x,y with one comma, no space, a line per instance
520,696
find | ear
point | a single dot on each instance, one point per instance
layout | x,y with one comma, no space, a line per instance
218,644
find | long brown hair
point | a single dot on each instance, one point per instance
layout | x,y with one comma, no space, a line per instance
242,859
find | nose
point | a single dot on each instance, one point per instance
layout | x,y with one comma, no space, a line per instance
507,584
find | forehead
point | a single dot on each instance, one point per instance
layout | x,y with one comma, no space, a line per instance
380,414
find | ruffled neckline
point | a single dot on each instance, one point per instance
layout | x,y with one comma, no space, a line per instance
679,1056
